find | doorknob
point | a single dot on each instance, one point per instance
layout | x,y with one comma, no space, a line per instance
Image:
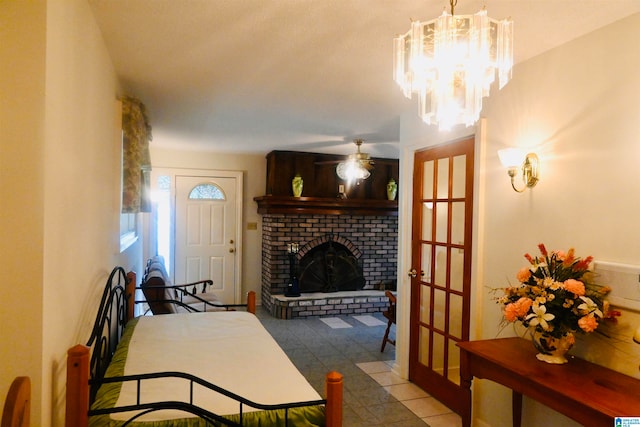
413,273
231,250
231,242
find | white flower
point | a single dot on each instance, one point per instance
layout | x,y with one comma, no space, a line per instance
588,306
540,317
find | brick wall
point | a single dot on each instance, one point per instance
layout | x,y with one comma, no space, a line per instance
374,237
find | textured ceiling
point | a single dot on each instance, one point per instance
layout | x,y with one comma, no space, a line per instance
308,75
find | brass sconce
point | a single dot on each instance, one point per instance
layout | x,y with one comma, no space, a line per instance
511,158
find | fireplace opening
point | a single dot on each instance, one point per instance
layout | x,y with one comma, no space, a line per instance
330,267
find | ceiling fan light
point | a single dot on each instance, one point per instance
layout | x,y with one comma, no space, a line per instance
352,170
357,165
361,172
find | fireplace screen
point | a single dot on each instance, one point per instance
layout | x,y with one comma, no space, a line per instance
330,267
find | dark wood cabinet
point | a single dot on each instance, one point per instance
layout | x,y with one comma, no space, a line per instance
318,172
321,188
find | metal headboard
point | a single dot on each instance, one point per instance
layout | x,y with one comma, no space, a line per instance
108,327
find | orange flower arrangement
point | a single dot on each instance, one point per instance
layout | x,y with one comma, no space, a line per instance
556,295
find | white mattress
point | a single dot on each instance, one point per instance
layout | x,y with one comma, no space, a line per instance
230,349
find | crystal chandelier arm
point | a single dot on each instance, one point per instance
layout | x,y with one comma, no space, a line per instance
453,3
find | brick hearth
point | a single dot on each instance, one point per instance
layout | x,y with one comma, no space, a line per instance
331,304
373,239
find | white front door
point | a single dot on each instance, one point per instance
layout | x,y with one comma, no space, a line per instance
207,233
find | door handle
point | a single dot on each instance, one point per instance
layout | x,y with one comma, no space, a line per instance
413,273
231,250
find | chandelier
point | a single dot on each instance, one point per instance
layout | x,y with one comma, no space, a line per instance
450,63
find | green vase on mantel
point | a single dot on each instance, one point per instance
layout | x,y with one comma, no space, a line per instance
296,185
392,189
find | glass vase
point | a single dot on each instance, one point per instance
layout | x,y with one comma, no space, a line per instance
296,186
392,189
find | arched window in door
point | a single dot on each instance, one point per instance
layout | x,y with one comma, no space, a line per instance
207,191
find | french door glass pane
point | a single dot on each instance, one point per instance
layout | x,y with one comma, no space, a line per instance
427,180
455,321
459,176
427,219
439,309
453,369
423,350
440,277
438,353
426,262
457,223
457,270
425,305
443,178
442,215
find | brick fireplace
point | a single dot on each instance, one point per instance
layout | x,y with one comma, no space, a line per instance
373,239
330,263
357,218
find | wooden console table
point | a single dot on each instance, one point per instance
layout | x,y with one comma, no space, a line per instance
588,393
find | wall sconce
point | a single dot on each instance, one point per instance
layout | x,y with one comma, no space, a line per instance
511,158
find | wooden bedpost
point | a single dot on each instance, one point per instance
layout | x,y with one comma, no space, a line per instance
333,410
130,292
251,302
77,406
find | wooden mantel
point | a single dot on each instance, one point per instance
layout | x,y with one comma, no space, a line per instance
325,206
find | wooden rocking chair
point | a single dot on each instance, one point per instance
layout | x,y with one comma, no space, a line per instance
390,314
17,407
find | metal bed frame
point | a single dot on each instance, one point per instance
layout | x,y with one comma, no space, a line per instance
85,374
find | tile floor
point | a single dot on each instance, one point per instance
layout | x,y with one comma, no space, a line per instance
373,394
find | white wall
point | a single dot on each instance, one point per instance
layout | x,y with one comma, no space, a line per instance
576,107
254,168
82,189
60,191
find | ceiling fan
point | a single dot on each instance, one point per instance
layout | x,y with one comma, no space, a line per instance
357,166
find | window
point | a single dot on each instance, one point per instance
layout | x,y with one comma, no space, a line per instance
128,230
163,219
206,192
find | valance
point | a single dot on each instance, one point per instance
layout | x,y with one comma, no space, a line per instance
136,160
